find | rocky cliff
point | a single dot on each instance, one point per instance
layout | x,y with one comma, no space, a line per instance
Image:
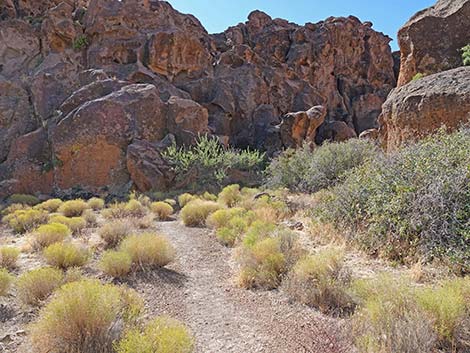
84,83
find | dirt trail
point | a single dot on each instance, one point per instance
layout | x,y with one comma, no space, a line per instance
199,289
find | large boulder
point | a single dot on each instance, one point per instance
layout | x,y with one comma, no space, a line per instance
431,40
297,128
423,106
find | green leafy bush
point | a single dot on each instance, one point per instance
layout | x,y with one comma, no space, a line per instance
85,317
211,161
5,282
116,263
49,234
36,285
308,170
162,335
322,281
408,204
66,255
466,55
195,213
23,199
148,250
8,257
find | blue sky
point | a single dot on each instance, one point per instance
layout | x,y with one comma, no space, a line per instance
387,15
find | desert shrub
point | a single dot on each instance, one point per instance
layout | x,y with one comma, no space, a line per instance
448,306
23,199
73,208
389,319
132,208
90,218
466,55
116,263
233,230
5,282
113,233
262,264
162,335
220,218
13,208
24,220
75,224
49,234
162,210
411,204
418,76
66,255
51,205
185,198
195,213
36,285
308,170
322,281
230,195
257,231
73,274
85,317
8,257
145,222
211,161
148,250
95,203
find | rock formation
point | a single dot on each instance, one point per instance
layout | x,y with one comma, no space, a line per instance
87,86
431,40
423,106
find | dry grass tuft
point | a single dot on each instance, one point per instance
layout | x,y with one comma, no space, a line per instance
113,233
49,234
36,285
195,213
73,208
66,255
148,250
5,282
116,264
8,257
162,210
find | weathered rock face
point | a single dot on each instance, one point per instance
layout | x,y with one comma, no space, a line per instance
425,105
84,86
431,40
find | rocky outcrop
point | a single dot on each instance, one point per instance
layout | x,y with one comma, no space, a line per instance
423,106
90,84
431,40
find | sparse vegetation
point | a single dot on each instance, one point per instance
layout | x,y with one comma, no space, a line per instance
162,335
49,234
195,213
80,42
5,282
116,263
133,208
73,208
466,55
418,76
8,257
36,285
66,255
162,210
113,233
85,317
22,221
148,250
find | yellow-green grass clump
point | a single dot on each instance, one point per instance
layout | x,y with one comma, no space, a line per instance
95,203
322,281
162,210
220,218
36,285
8,257
230,196
116,264
75,224
185,198
66,255
5,282
73,208
51,205
195,213
148,250
162,335
113,233
49,234
86,317
233,231
133,208
22,221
